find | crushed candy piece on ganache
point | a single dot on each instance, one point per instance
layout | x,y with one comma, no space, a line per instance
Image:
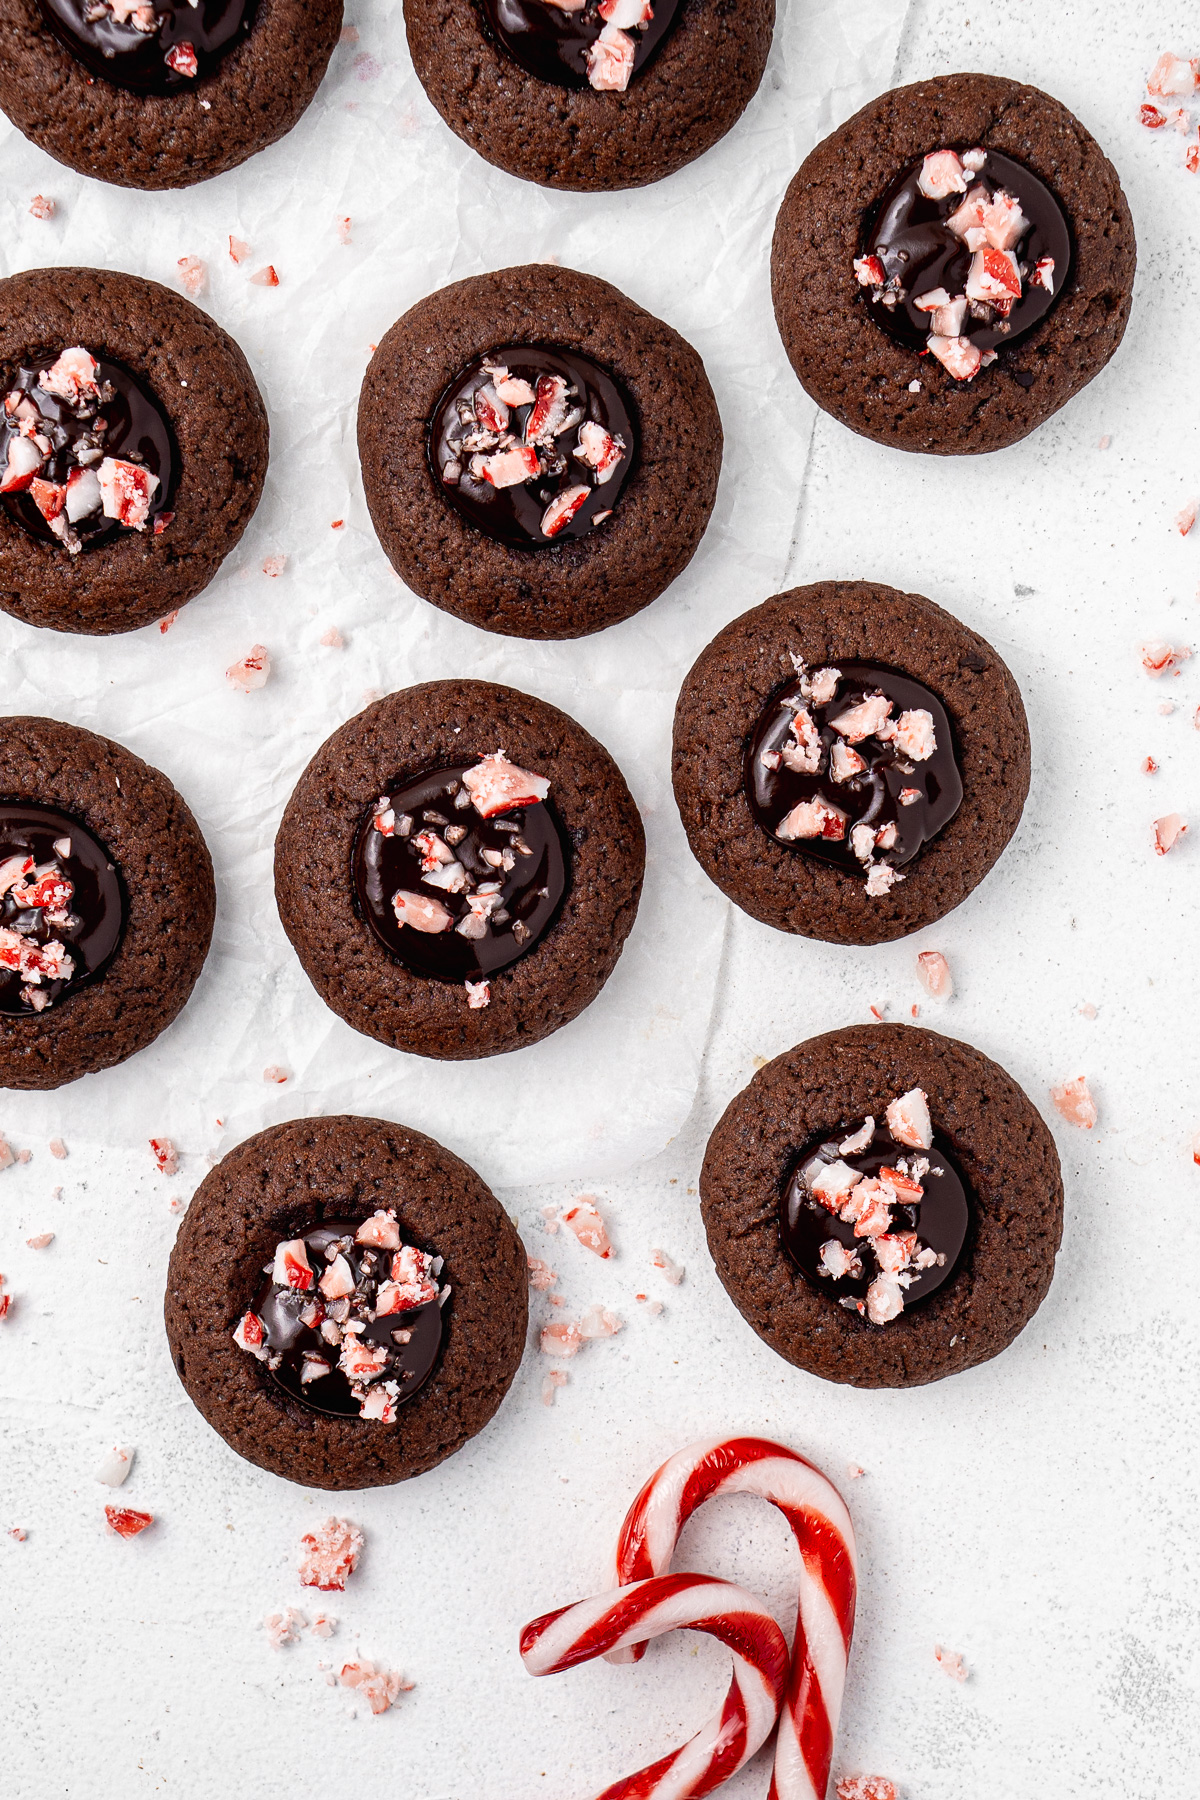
150,46
600,44
348,1319
854,765
86,453
62,907
460,871
533,445
963,257
877,1226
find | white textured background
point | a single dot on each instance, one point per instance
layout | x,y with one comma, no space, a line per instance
1037,1515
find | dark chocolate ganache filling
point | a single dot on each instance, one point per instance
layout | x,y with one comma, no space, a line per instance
349,1319
62,907
532,445
150,46
581,43
855,766
460,871
898,1234
967,248
86,452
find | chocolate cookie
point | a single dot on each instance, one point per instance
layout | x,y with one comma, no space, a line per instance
163,93
952,264
849,761
106,903
570,503
884,1206
133,448
604,94
346,1302
458,869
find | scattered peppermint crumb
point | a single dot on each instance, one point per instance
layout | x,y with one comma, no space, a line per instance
193,275
349,34
58,1148
125,1522
323,1626
1196,1148
239,250
1074,1101
876,1014
24,1156
935,975
653,1307
549,1218
274,1073
1167,831
265,277
854,1472
1149,766
252,671
176,1204
561,1337
541,1275
914,1009
6,1155
951,1663
284,1627
333,639
41,1241
1185,518
866,1787
671,1270
365,67
584,1221
329,1554
166,622
1166,708
56,1193
165,1155
598,1322
42,207
6,1301
1104,443
378,1686
336,524
114,1465
371,694
1087,1010
555,1379
1159,658
914,387
274,566
343,231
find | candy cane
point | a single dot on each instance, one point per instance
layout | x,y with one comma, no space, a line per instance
817,1515
645,1609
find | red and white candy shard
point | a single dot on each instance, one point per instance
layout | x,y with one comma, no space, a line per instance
912,734
562,509
1173,76
957,355
837,1260
72,378
561,1337
810,819
641,1610
671,1271
1074,1101
584,1221
599,449
864,720
817,1515
507,468
1167,832
1160,659
935,975
253,670
165,1155
549,410
182,58
908,1120
610,60
421,911
942,174
866,1787
24,460
248,1335
114,1465
126,1522
499,786
329,1554
380,1231
479,995
291,1268
803,754
378,1686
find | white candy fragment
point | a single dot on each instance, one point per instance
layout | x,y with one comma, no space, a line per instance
114,1466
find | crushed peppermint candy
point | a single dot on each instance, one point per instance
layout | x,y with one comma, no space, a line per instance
461,871
113,1468
1166,832
1159,658
583,1220
329,1554
935,975
379,1687
284,1627
348,1320
1074,1101
61,908
852,1217
531,444
966,253
166,1156
252,671
841,746
125,1522
1174,78
950,1663
866,1787
670,1270
193,276
85,451
551,1382
602,43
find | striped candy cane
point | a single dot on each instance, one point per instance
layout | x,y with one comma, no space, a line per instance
817,1514
645,1609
